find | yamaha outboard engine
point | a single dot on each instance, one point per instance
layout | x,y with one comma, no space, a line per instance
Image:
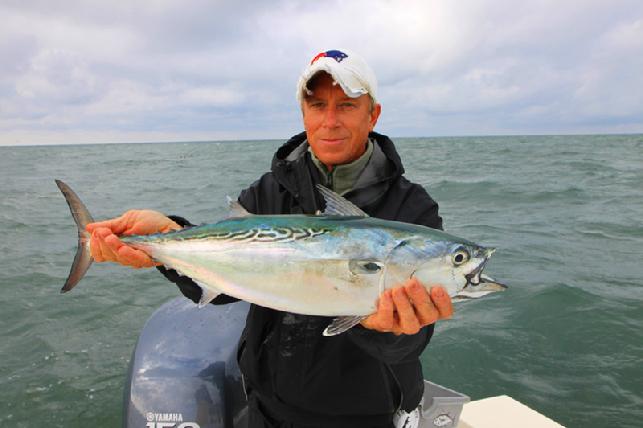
184,372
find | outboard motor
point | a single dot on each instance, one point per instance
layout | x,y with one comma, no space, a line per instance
184,369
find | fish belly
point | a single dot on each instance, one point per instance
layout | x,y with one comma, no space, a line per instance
279,278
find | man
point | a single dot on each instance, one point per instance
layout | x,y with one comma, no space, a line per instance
295,376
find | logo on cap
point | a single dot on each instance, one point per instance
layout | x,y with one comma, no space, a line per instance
336,55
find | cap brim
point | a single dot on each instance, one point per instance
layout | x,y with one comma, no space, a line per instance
349,83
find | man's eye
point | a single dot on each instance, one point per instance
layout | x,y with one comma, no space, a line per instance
347,106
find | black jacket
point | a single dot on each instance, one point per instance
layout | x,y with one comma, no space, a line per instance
358,378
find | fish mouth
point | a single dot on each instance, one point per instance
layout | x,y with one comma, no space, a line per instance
474,277
479,284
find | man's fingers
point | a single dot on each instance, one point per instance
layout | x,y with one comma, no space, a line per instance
106,247
442,302
408,308
134,258
426,311
127,255
409,322
99,248
383,319
115,225
94,248
385,311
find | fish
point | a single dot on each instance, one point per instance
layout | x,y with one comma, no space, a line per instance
335,263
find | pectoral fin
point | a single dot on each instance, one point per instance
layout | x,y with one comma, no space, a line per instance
341,324
208,294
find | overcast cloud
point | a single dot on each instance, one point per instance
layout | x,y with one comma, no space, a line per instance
84,72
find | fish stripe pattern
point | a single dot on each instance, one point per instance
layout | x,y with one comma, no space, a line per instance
280,234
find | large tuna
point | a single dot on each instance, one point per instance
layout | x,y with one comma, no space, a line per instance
333,264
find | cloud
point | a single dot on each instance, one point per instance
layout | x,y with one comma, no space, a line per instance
156,70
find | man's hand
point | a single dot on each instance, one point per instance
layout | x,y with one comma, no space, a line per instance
408,308
106,247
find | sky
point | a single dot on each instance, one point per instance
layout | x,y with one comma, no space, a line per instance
192,70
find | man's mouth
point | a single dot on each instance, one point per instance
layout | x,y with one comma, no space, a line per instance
332,141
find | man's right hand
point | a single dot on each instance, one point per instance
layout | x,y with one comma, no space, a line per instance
106,247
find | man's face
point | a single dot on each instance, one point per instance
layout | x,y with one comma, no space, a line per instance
337,126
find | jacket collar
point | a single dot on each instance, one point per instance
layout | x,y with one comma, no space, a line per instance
292,167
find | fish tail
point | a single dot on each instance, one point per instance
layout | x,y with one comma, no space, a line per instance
83,258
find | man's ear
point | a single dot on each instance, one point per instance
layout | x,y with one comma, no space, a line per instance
375,114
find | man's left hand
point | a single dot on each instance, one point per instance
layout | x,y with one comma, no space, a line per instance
408,308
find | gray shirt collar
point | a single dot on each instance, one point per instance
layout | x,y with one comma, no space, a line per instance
343,177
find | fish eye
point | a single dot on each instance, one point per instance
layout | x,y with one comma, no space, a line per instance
360,267
371,267
460,256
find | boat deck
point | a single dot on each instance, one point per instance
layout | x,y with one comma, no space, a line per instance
502,412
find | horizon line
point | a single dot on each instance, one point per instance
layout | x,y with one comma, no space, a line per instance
571,134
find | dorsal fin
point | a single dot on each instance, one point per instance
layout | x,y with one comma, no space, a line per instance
336,205
235,209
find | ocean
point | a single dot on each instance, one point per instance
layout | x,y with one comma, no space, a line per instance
565,212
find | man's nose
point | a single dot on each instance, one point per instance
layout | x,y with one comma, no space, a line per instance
330,118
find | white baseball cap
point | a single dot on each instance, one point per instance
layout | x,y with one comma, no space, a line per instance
349,70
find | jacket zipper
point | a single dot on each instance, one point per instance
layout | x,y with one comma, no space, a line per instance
399,387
